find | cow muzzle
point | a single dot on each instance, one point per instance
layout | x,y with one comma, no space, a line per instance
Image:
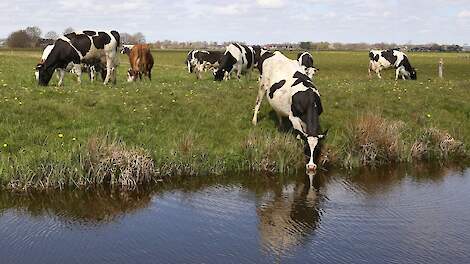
311,168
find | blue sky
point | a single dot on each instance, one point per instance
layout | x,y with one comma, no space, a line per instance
252,21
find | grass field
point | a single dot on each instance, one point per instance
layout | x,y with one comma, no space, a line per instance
177,125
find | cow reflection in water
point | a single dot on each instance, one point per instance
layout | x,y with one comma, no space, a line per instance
288,216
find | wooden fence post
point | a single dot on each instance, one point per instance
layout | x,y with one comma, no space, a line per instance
441,68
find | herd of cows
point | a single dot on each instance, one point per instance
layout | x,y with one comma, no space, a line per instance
286,83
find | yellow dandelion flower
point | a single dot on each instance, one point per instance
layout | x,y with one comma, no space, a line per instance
74,139
60,135
5,145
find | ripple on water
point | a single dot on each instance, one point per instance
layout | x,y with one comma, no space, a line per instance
389,217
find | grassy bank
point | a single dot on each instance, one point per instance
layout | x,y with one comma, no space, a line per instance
176,125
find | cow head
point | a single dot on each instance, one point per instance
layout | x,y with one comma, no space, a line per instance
312,151
219,74
132,75
44,74
225,67
413,74
311,72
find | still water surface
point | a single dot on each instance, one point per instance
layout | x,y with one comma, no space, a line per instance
384,216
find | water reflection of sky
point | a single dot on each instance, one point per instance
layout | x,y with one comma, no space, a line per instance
381,216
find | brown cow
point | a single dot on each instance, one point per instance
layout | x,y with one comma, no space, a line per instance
141,60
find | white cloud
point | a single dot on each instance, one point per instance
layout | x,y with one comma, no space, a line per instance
270,3
232,9
464,14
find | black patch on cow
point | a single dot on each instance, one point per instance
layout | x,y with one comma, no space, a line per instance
388,55
263,57
117,37
101,40
306,59
211,57
275,87
70,35
89,32
238,46
226,65
302,78
249,56
306,105
81,42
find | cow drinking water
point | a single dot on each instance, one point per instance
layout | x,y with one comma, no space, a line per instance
291,93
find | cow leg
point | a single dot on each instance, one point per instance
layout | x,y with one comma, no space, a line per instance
109,66
61,74
378,74
92,72
279,117
259,99
113,72
150,75
239,72
78,71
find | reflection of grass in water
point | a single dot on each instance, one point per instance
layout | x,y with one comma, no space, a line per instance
92,206
189,127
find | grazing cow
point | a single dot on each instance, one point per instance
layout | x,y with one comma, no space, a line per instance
202,60
292,94
384,59
141,60
236,57
82,47
91,68
305,60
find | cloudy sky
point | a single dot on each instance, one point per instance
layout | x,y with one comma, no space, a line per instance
252,21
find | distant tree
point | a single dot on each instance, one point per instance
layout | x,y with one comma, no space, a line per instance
138,38
126,38
34,34
68,30
306,45
51,35
19,39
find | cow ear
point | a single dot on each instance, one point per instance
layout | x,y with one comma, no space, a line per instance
323,136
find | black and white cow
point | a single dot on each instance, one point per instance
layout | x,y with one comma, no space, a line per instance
77,69
305,60
199,61
82,47
384,59
237,57
291,93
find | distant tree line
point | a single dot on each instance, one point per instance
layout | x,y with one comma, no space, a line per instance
31,37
